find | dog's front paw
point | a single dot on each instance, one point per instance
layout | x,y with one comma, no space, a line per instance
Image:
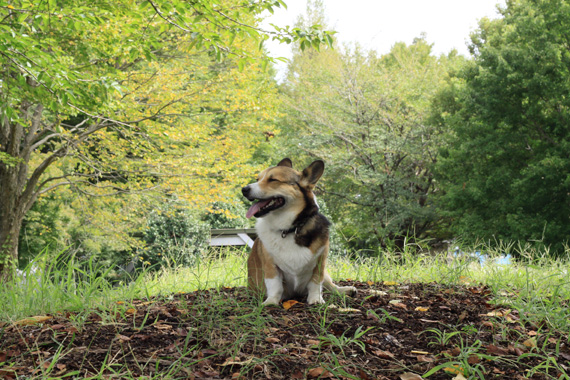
315,299
271,301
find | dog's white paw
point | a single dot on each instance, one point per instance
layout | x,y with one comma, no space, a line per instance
271,301
315,299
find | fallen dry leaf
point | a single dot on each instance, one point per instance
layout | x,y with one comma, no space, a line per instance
289,304
530,342
392,340
498,313
410,376
419,352
297,375
383,354
496,370
32,320
286,320
236,361
370,282
425,359
319,372
494,350
455,351
390,283
123,338
459,377
473,359
160,326
509,318
348,310
429,320
272,339
363,375
420,308
454,370
377,292
519,351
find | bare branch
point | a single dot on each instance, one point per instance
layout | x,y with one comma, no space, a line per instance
36,122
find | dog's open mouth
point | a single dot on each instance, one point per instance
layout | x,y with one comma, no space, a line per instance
265,206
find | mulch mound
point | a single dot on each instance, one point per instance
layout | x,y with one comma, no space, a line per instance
387,331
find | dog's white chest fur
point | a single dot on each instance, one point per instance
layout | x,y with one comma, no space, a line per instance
295,262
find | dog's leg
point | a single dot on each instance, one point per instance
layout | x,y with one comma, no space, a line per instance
315,293
315,285
273,279
331,286
274,288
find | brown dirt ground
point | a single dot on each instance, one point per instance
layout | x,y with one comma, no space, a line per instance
224,334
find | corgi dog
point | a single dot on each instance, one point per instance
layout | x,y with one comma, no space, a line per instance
288,258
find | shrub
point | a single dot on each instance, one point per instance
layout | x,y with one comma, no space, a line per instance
174,236
226,215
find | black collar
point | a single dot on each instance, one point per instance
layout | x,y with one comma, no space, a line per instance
284,233
296,227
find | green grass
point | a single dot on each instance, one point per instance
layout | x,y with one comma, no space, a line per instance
537,286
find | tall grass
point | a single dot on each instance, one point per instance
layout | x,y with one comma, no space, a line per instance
536,285
52,283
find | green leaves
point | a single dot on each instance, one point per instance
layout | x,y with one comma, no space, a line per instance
508,153
366,116
218,26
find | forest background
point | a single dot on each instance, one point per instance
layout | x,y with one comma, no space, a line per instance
129,127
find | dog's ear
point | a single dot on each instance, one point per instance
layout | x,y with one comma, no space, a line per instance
285,162
312,173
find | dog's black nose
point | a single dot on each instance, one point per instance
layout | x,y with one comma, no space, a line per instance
245,191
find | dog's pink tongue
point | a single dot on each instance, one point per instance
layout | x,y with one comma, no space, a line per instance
256,207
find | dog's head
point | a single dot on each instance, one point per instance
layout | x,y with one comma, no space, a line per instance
282,187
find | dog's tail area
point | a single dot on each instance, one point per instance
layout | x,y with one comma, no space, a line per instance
331,286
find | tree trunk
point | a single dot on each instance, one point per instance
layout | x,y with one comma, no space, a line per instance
20,184
9,232
15,141
11,218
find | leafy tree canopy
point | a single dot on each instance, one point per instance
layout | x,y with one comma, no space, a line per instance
366,116
506,171
129,95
